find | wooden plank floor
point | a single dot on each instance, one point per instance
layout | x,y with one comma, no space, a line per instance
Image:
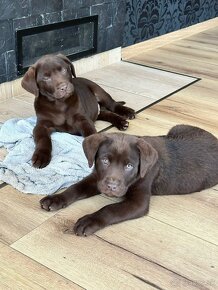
174,247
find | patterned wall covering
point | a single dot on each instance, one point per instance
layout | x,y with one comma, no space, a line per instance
150,18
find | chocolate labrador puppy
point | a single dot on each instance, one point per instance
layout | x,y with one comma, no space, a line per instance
183,161
67,104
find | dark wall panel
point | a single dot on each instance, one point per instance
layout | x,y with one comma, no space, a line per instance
21,14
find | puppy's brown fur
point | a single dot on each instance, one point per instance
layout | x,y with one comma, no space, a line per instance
183,161
67,104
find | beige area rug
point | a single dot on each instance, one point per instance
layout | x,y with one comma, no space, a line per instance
139,86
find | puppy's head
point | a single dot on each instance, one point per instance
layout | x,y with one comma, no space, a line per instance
120,160
51,77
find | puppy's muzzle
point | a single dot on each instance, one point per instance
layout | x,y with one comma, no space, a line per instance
112,184
64,90
112,187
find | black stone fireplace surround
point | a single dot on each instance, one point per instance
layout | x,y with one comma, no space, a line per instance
74,38
22,14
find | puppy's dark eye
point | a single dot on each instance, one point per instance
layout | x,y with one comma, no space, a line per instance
105,161
128,167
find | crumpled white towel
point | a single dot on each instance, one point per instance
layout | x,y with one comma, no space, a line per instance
68,164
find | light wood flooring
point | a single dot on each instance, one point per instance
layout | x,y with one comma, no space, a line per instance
174,247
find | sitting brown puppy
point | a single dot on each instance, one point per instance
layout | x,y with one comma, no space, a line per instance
67,104
183,161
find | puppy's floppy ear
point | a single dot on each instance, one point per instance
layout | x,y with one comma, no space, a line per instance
91,145
148,156
68,62
29,81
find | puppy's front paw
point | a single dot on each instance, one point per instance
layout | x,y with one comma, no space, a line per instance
125,112
122,124
53,202
87,225
41,159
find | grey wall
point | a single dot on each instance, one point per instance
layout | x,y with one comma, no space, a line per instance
20,14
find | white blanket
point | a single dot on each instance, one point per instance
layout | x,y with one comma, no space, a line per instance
68,164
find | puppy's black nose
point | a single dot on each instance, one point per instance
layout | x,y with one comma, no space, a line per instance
62,87
112,183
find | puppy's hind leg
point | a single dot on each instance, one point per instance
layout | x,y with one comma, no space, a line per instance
84,126
105,100
180,131
116,120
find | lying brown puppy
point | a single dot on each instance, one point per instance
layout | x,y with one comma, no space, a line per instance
183,161
67,104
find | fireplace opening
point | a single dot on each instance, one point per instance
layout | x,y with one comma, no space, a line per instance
75,39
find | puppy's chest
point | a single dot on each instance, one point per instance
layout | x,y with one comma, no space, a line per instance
64,117
61,115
